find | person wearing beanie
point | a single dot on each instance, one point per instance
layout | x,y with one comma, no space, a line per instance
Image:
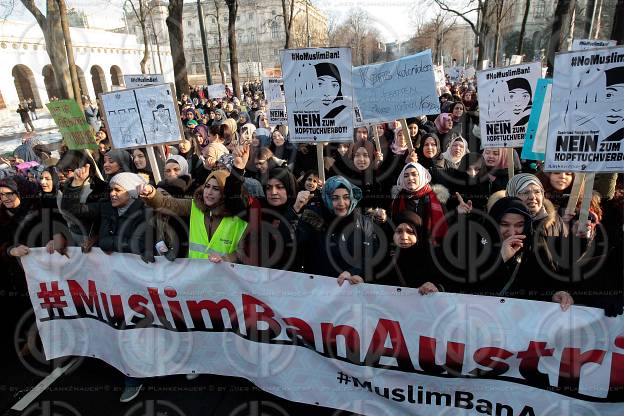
214,233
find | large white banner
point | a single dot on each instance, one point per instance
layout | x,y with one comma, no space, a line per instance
505,102
318,91
140,117
586,124
274,94
370,349
398,89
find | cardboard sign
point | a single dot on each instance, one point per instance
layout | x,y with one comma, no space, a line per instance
398,89
586,125
216,91
505,102
534,147
141,117
143,80
70,119
274,94
583,44
318,92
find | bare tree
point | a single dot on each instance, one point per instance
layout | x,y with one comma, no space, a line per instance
500,11
289,18
176,40
527,6
50,25
557,37
471,7
142,11
232,6
432,33
220,39
617,31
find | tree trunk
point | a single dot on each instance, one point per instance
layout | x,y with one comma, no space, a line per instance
617,32
221,71
145,58
499,11
527,6
484,28
176,40
55,44
232,6
590,7
287,17
556,37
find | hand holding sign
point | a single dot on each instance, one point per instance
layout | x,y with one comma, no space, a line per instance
499,95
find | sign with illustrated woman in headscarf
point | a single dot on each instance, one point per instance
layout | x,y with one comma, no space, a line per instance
505,102
318,93
586,127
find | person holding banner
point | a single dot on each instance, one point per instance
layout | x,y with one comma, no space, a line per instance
333,232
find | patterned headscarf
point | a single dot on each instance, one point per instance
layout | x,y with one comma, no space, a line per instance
521,181
335,182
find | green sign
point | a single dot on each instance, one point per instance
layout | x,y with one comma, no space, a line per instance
76,132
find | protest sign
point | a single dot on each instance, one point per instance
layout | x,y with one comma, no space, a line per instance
534,146
216,91
440,78
586,124
515,59
318,91
74,129
470,72
143,80
274,94
454,73
582,44
142,117
398,89
369,349
505,101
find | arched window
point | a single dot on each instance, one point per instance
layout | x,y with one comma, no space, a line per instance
274,30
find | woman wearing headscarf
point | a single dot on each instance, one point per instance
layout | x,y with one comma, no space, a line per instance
461,125
283,149
444,124
470,180
428,154
116,161
456,148
345,240
417,195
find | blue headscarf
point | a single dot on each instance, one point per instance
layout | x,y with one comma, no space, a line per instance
335,182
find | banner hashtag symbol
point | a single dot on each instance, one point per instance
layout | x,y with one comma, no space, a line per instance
343,378
52,298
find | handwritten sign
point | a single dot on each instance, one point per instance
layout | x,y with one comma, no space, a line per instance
398,89
76,132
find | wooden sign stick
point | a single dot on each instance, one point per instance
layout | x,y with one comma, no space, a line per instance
320,161
406,135
376,138
152,159
587,197
510,163
579,178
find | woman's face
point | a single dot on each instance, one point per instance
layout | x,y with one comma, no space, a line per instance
255,142
510,225
404,236
410,179
532,197
119,196
430,148
218,115
361,133
262,165
110,166
311,183
520,99
491,156
467,96
413,129
473,170
275,192
172,170
212,193
184,146
361,159
328,87
9,198
341,202
46,182
458,110
264,122
400,137
278,138
343,149
561,180
380,129
448,124
211,115
139,159
457,149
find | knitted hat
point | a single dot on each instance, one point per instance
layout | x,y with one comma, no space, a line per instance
521,181
129,182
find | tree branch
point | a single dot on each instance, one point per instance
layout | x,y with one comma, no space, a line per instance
34,10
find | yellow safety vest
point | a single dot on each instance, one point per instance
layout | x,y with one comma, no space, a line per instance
224,240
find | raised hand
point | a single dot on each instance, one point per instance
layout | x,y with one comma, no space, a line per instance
81,175
463,207
511,246
241,156
303,197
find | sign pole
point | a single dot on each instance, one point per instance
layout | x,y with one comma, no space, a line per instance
579,178
587,197
152,159
321,162
406,135
510,162
376,138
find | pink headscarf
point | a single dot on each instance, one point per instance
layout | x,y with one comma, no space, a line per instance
440,122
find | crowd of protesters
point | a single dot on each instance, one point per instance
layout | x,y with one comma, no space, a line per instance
446,216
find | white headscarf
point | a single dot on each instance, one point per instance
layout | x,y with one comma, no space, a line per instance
447,154
424,177
181,161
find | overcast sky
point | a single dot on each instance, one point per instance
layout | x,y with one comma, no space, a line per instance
391,17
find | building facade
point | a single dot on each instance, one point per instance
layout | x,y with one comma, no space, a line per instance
102,58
